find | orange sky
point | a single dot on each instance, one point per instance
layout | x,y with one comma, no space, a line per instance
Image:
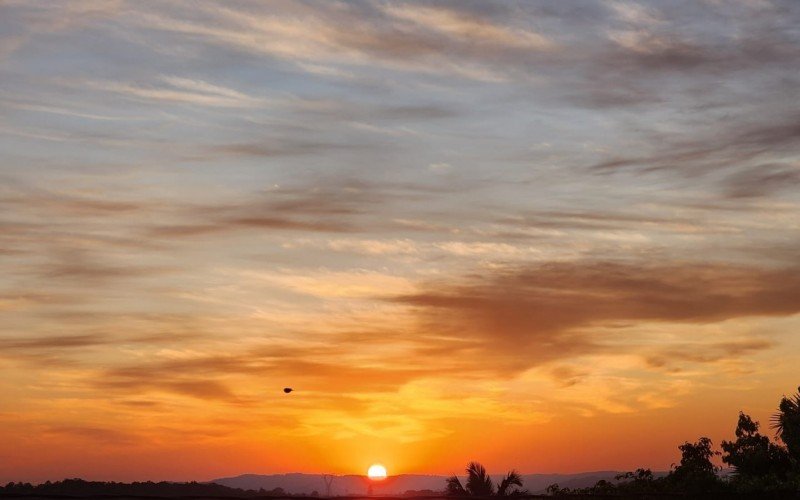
546,237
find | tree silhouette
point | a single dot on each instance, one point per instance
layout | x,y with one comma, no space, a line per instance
696,457
695,472
479,484
787,424
753,454
512,479
454,487
640,481
762,468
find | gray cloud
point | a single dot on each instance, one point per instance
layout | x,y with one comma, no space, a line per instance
270,149
737,159
762,180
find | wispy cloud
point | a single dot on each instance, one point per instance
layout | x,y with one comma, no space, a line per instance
467,27
179,90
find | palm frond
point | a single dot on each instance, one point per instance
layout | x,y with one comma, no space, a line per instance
786,423
454,486
479,483
512,479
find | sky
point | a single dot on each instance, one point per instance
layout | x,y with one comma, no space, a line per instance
550,236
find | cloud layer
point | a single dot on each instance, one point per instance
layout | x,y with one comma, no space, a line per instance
430,218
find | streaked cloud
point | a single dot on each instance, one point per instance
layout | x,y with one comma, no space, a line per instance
178,90
548,310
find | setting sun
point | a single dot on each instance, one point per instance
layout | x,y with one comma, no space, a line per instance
376,472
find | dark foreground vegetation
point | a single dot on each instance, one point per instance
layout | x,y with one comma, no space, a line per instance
761,468
81,488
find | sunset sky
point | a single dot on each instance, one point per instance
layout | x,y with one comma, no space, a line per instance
553,236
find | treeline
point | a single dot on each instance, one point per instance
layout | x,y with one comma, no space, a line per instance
762,468
760,465
79,487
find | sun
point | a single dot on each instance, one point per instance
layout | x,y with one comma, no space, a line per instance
376,472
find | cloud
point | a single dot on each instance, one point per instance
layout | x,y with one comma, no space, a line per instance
157,331
568,376
22,198
32,21
324,283
374,247
440,168
525,316
462,25
84,267
705,352
635,14
606,220
96,435
411,38
59,342
316,209
742,150
312,370
762,180
203,202
178,90
343,205
271,148
350,110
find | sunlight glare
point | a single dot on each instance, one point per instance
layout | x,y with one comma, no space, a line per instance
377,472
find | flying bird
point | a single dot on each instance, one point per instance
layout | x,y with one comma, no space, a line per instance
287,390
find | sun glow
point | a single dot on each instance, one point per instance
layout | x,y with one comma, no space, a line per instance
376,472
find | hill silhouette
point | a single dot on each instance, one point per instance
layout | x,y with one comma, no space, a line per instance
353,484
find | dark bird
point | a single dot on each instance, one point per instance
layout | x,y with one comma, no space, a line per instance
287,390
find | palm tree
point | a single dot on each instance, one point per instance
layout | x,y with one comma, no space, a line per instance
787,423
454,487
512,479
479,484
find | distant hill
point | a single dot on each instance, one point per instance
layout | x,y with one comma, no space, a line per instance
537,483
342,485
394,485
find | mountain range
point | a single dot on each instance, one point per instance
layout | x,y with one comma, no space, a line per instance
298,483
